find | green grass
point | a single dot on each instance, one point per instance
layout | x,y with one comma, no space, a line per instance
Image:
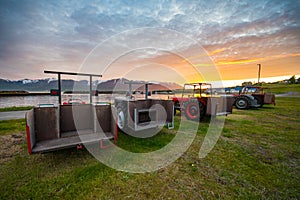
12,126
283,88
16,108
256,157
140,145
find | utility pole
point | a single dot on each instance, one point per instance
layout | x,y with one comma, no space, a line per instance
259,68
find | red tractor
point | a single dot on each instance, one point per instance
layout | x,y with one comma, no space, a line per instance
197,101
263,95
249,94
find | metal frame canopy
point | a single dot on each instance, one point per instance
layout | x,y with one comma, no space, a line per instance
75,74
195,85
130,83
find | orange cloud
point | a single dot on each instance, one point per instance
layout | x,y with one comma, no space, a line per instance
204,65
216,51
244,61
202,55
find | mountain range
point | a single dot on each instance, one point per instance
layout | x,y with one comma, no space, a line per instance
43,85
120,84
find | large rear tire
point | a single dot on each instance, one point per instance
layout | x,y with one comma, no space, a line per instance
193,110
242,102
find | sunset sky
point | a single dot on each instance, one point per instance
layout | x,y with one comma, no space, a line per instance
151,40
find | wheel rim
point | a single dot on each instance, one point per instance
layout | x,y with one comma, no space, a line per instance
192,111
121,119
241,103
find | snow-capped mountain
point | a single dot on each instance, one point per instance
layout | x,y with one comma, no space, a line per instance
43,84
72,85
26,81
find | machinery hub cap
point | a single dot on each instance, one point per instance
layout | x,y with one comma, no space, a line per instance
193,110
121,119
242,103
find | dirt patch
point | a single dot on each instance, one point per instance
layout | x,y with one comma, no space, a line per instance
10,146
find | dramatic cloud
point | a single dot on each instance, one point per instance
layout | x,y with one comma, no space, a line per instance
35,35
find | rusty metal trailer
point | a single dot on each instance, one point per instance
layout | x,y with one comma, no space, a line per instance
64,126
50,127
142,114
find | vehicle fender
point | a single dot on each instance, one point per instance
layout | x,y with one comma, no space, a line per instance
253,101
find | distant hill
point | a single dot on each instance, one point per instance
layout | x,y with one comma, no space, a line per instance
120,85
42,85
67,85
113,85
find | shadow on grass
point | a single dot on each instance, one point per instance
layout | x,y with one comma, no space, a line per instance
144,145
268,107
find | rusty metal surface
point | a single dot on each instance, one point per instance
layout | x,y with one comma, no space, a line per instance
103,118
269,99
162,112
45,121
75,117
228,103
221,104
212,105
62,143
167,109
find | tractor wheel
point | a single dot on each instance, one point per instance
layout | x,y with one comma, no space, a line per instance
121,113
193,110
242,102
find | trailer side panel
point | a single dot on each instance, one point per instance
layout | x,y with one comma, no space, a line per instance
46,123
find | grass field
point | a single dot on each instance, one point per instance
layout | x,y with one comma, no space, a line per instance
283,88
16,108
256,157
12,126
